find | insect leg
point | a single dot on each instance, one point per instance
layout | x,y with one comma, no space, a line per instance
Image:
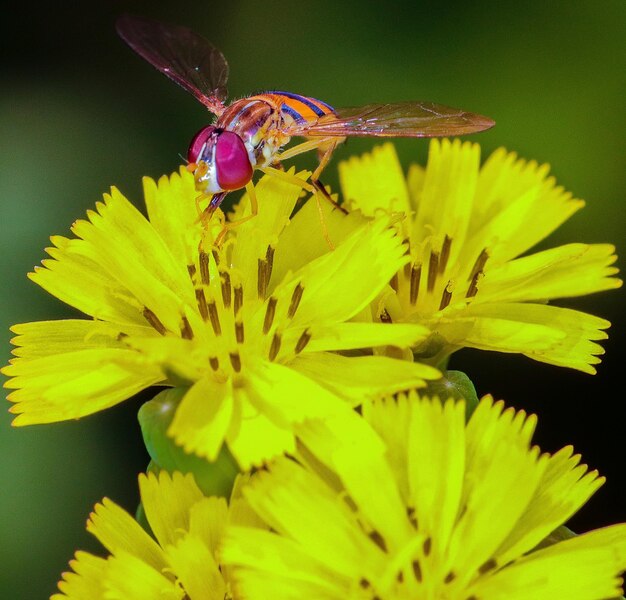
254,211
309,188
311,144
315,180
289,178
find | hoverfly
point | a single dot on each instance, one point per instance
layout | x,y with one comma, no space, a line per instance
250,133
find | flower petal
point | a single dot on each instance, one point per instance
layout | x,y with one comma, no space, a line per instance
550,334
584,567
566,271
203,417
509,194
361,377
118,532
167,501
196,569
303,239
74,384
348,336
374,182
339,284
129,577
565,488
174,215
86,580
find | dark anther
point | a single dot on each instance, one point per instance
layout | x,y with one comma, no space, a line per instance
417,570
216,256
203,261
433,268
270,311
416,275
410,513
445,254
235,361
214,316
275,347
262,278
239,332
269,259
226,289
446,296
295,300
473,286
479,265
487,566
202,305
364,583
185,329
428,543
214,362
384,316
191,269
378,540
238,303
450,577
393,282
154,320
303,341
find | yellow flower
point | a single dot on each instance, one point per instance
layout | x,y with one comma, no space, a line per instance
180,563
423,505
467,227
247,330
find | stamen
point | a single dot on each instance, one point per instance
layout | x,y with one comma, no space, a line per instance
364,583
269,258
446,296
417,570
239,332
202,305
488,566
303,341
410,513
216,256
472,290
215,319
378,539
269,314
185,329
203,261
445,254
275,347
479,265
295,300
261,278
235,361
393,282
433,267
416,276
450,577
191,269
226,289
214,362
428,543
400,577
154,320
238,299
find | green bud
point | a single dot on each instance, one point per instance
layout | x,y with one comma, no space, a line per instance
213,478
454,384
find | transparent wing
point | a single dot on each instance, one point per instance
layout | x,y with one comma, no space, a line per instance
183,55
402,119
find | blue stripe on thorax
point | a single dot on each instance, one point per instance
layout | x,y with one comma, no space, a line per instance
316,109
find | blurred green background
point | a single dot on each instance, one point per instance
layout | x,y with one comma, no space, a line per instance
80,112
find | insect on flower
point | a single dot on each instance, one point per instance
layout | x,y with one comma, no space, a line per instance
250,133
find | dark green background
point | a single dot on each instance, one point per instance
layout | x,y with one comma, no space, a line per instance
80,112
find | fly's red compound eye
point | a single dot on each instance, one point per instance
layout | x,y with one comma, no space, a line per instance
198,142
231,159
